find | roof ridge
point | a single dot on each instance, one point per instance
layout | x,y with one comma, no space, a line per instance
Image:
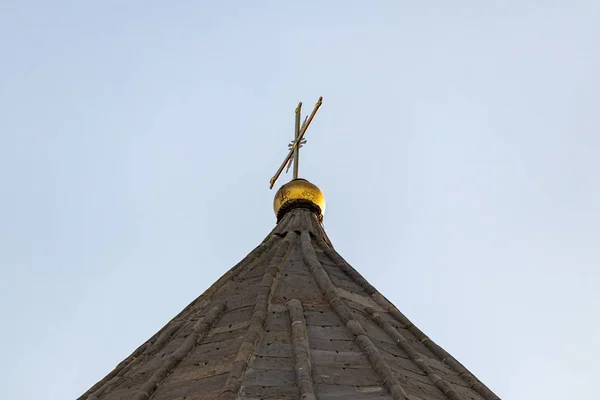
405,345
454,364
201,329
329,290
301,348
252,336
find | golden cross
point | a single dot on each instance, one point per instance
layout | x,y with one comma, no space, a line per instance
297,142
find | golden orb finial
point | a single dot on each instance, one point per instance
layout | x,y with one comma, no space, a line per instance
299,191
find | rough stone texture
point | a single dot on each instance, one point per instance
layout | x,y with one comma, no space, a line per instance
292,320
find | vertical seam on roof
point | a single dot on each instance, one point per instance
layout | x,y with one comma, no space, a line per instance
246,263
301,349
405,345
101,387
346,268
201,328
475,384
152,348
469,378
366,345
114,378
234,380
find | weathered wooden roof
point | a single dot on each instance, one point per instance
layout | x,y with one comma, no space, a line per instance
292,320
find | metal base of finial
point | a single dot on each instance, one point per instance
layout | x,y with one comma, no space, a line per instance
299,203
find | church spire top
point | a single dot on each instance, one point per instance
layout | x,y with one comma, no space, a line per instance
292,320
298,193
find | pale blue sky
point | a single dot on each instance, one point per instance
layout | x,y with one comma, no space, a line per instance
457,146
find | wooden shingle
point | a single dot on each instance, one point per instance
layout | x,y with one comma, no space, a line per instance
293,320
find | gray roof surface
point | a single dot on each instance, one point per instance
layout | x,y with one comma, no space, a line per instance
292,320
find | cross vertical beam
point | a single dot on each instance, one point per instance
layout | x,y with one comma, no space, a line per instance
296,134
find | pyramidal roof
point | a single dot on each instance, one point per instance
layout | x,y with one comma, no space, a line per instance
292,320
